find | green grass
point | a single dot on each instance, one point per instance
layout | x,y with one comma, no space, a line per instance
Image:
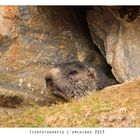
96,110
74,114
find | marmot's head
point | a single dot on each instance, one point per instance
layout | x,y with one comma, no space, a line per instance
71,80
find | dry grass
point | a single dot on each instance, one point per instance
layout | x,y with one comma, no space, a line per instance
116,106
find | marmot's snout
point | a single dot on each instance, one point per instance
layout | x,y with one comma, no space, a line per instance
48,77
52,73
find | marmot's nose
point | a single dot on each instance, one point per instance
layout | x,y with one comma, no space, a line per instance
51,74
48,77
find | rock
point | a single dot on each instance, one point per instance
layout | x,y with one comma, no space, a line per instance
32,39
116,31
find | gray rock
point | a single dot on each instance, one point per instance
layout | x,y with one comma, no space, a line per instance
116,31
32,39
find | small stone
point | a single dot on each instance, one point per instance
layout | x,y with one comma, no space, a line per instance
21,80
29,85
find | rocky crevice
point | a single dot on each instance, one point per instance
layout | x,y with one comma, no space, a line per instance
36,38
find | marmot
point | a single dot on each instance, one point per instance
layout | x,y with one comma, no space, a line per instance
76,79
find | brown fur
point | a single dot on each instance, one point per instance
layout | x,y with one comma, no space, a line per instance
76,79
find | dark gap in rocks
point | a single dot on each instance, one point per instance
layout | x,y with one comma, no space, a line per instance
83,11
128,13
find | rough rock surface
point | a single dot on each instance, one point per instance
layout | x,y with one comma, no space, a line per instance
116,31
31,40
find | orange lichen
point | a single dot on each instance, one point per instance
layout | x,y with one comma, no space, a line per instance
10,11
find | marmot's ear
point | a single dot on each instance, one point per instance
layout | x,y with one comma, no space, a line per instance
92,72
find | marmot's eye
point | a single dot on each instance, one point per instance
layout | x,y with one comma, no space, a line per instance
73,72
